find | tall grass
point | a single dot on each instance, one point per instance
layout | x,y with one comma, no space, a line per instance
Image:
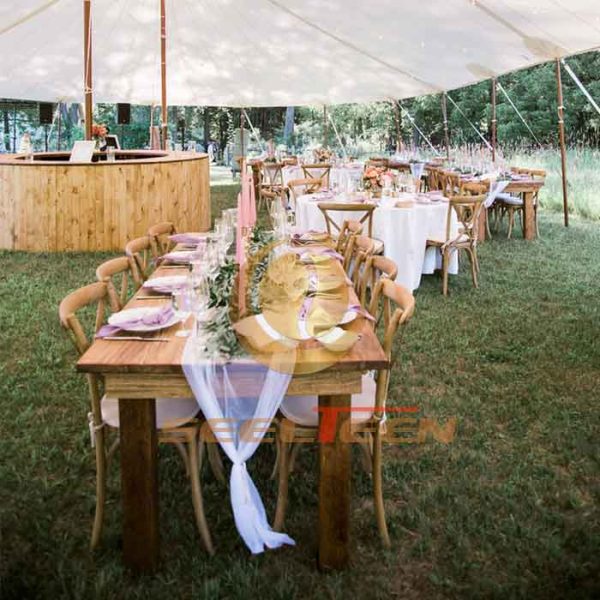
583,178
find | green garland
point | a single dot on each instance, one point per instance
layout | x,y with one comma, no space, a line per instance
220,336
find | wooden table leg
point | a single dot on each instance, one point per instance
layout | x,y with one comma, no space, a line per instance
139,483
529,232
334,490
481,225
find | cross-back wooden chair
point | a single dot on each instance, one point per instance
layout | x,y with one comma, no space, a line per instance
159,238
449,182
364,215
467,210
271,181
119,269
434,178
301,418
289,161
375,268
318,171
477,188
139,253
300,187
176,420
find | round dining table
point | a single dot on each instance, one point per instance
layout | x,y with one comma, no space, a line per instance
403,230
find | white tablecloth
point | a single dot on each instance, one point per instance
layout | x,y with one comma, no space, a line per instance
404,232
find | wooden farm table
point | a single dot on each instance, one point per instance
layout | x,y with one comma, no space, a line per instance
528,188
138,372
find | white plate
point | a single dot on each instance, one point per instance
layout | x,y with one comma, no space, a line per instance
137,313
182,257
166,283
348,317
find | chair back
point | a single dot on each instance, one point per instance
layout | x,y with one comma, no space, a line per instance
159,238
359,249
139,253
449,183
95,294
398,308
107,273
318,171
290,161
349,228
300,187
467,210
378,161
434,178
364,214
272,174
375,268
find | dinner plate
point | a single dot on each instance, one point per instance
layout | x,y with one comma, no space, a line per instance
167,283
123,316
182,257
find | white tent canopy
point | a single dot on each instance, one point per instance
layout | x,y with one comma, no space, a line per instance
282,52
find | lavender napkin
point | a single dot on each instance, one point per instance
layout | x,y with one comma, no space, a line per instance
189,239
159,317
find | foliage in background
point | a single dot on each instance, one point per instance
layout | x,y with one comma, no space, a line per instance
367,128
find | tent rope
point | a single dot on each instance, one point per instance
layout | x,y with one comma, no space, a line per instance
337,135
469,122
352,46
580,85
417,127
254,133
501,88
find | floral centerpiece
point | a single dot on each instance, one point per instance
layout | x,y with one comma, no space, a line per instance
99,131
373,178
322,155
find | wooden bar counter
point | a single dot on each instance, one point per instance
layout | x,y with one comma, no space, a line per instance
49,204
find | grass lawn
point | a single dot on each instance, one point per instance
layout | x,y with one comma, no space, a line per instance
509,509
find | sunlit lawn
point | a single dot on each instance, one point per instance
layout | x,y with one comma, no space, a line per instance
509,509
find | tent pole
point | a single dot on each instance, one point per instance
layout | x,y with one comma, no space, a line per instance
87,67
325,136
163,73
494,122
242,135
561,135
445,115
398,126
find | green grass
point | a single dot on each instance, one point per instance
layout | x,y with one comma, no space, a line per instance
583,178
509,509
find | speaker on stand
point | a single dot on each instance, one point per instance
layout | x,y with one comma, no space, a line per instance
123,118
46,110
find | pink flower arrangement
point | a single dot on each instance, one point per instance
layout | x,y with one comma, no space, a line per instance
99,131
373,178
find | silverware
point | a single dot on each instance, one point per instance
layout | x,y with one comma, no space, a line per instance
134,338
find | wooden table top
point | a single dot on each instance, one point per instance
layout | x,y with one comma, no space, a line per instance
109,356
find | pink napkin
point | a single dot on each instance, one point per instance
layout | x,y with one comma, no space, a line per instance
160,317
188,239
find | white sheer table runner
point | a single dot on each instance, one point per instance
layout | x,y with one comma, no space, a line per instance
404,232
223,391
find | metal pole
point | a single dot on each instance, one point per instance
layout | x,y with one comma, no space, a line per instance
325,136
446,135
87,67
561,135
163,73
494,122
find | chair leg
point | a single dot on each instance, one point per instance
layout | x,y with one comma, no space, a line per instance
487,222
473,262
366,452
184,455
215,462
197,494
378,490
445,266
511,222
100,489
282,492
